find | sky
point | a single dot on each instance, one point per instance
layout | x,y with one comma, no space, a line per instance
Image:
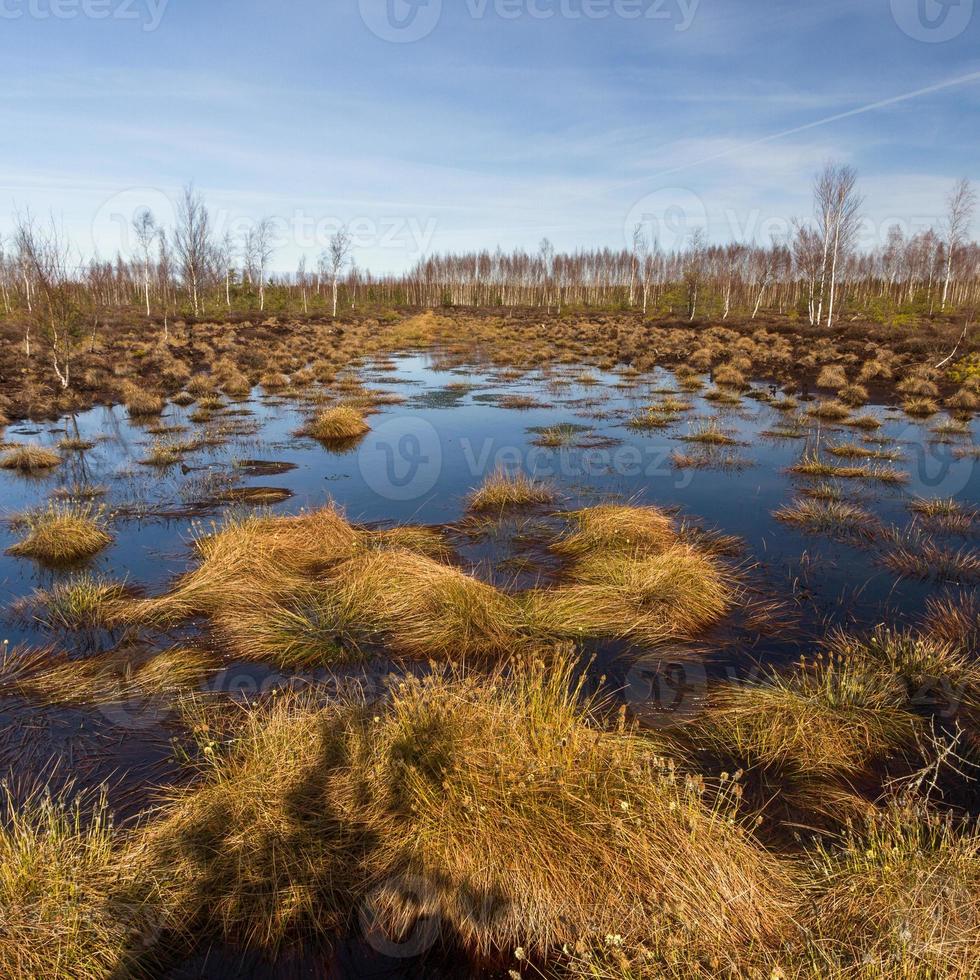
435,125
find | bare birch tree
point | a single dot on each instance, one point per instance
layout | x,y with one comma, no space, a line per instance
961,203
338,252
838,206
192,243
263,254
58,316
145,229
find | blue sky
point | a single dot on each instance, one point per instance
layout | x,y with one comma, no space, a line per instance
510,120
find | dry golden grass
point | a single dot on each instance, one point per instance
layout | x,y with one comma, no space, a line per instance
81,602
49,676
60,913
29,459
826,718
833,411
898,897
63,533
422,608
940,674
832,376
427,541
813,464
641,599
520,820
709,434
251,560
503,490
954,620
616,527
829,517
337,425
142,404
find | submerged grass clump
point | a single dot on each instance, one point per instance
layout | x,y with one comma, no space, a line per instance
919,557
813,464
121,676
947,514
82,602
828,516
558,436
29,459
62,533
502,490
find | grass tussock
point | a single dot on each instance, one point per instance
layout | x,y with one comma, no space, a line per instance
832,411
710,434
29,459
82,602
617,528
814,465
337,425
62,533
898,896
59,884
640,599
830,717
828,517
142,404
503,490
250,560
851,450
461,799
419,607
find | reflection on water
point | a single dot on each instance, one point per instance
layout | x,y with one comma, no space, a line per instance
438,432
452,428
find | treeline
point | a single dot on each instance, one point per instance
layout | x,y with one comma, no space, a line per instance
816,273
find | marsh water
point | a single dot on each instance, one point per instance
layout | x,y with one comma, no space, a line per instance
444,429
